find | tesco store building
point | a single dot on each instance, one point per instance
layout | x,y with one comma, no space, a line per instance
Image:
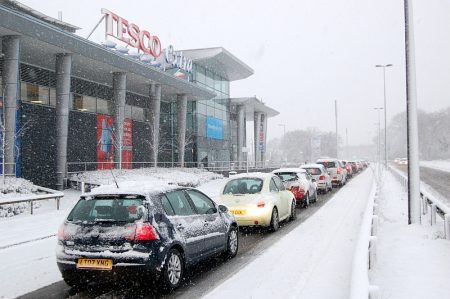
69,104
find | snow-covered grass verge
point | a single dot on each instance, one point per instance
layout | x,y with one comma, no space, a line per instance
443,165
15,188
314,260
412,259
189,177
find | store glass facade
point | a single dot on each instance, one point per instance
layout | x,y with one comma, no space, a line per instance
215,123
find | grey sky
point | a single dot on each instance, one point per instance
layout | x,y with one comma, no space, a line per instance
305,54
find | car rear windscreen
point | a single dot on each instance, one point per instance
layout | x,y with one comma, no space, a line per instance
328,164
287,176
313,171
110,209
243,186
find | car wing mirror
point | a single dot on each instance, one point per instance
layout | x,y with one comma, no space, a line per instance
313,180
223,209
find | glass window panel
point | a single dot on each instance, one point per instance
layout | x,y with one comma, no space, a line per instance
137,113
201,122
84,103
200,75
35,94
210,79
226,88
105,107
217,83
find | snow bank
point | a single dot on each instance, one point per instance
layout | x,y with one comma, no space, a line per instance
413,260
443,165
14,188
189,177
312,261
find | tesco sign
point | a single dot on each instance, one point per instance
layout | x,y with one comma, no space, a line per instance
131,34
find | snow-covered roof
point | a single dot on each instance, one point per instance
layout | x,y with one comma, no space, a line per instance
313,165
260,175
134,187
326,159
298,170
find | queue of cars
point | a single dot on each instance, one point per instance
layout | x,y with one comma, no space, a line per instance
155,233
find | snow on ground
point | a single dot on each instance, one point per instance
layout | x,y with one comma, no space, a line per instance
413,260
443,165
312,261
191,177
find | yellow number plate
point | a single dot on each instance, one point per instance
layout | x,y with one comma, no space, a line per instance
99,264
237,212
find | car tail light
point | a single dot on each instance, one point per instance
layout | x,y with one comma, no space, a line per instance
339,170
322,177
145,232
261,204
142,232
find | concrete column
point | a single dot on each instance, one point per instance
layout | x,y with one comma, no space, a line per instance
240,133
11,51
119,90
257,124
63,70
181,129
155,115
263,152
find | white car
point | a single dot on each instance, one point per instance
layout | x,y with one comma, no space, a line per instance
321,175
337,172
300,183
258,199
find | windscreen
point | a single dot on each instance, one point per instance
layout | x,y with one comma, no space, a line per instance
328,164
243,186
313,171
111,209
287,176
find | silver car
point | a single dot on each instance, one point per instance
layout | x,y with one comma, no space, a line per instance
321,175
337,172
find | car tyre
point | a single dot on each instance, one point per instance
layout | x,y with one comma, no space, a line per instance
232,243
172,272
274,221
293,211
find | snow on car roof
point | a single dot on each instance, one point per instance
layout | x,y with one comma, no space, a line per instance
326,159
141,187
314,165
300,170
261,175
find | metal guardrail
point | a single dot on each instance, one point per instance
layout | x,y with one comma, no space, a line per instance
437,207
365,252
50,194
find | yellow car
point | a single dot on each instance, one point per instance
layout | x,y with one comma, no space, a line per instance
258,199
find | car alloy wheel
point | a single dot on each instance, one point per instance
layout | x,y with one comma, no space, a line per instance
173,270
274,222
233,243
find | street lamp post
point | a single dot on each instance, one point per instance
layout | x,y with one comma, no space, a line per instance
385,111
379,133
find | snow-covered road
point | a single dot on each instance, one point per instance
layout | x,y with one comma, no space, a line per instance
312,261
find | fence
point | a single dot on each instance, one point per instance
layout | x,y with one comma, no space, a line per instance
437,207
49,194
365,251
216,166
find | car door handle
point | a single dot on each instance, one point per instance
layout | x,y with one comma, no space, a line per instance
180,227
206,223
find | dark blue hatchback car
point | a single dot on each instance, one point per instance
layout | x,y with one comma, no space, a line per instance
147,235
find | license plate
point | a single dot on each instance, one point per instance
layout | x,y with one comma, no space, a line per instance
237,212
99,264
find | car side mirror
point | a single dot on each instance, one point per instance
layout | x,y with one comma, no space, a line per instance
223,209
329,173
313,180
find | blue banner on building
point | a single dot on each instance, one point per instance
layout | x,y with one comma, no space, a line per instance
214,128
